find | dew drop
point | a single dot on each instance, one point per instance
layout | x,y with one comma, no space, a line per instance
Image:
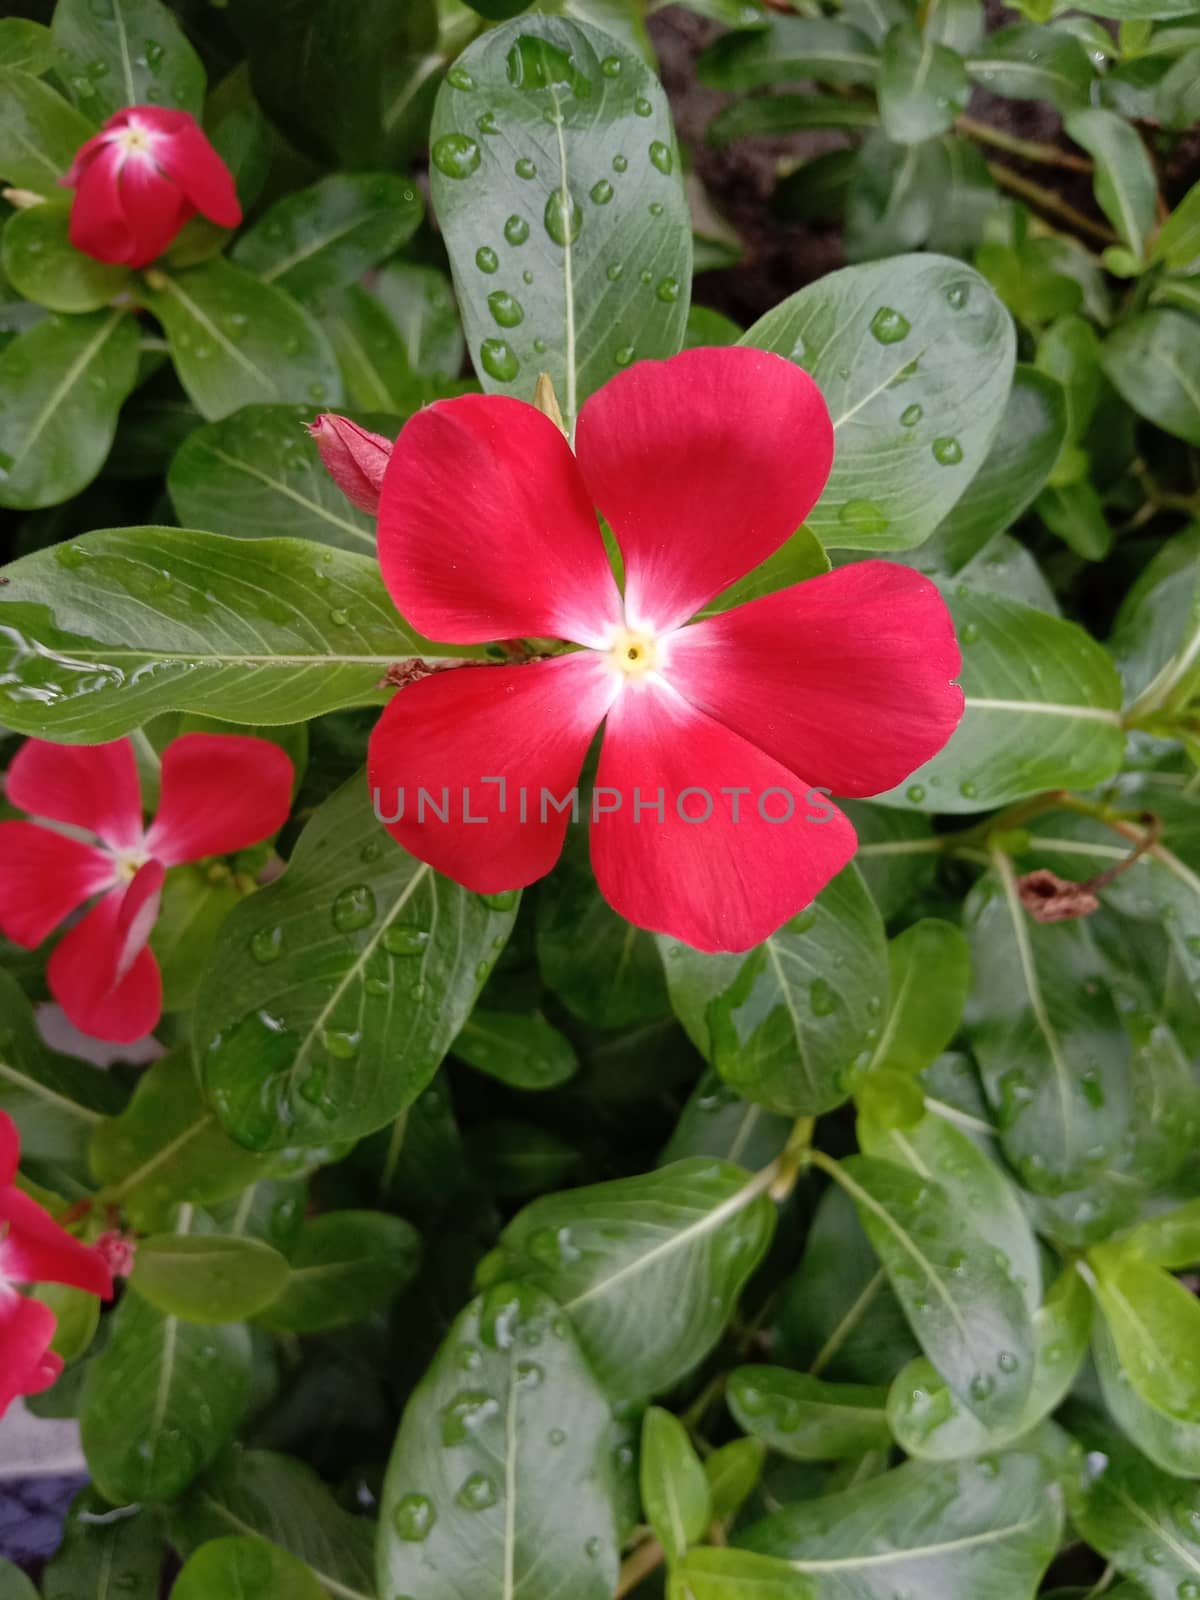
456,155
563,218
354,908
864,516
668,291
516,230
401,940
957,296
592,1548
460,78
947,451
981,1387
967,789
910,416
486,259
601,192
890,326
505,309
915,792
611,66
1007,1362
643,107
487,123
821,997
414,1518
624,355
968,633
340,1045
267,945
525,168
614,271
661,157
477,1493
499,360
620,163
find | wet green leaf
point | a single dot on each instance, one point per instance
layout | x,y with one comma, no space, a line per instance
104,1552
242,1566
1152,360
806,1418
208,1277
344,1265
118,53
922,84
41,263
675,1491
39,133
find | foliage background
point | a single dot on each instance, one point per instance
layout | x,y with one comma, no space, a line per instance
551,1190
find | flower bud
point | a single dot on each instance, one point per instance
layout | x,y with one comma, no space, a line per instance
355,459
140,179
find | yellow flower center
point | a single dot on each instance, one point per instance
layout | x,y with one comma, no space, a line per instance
633,653
136,141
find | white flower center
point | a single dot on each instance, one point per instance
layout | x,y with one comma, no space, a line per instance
137,141
634,653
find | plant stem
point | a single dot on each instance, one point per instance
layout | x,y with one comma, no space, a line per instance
645,1559
1047,200
1049,155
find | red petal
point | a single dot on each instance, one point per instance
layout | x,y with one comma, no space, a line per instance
101,972
27,1365
98,224
83,158
703,465
221,792
89,786
724,883
457,729
44,876
486,530
154,206
10,1148
191,161
845,678
34,1249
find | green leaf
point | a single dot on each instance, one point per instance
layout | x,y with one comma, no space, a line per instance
207,1277
932,1147
807,1419
167,1148
190,915
1170,1239
64,382
1075,512
54,1101
1152,359
803,556
160,1400
244,1566
732,1471
14,1585
678,1243
965,1309
837,1313
335,992
513,1160
103,1553
1155,1325
118,53
1026,62
1026,446
355,97
605,970
345,1265
930,972
1125,183
585,264
41,263
1140,1519
374,357
956,23
1044,1029
103,634
784,1024
717,1122
1170,1444
1154,637
1177,242
788,48
499,1481
319,239
775,114
987,1529
1041,710
258,473
39,133
675,1492
922,85
928,354
26,45
424,312
236,341
897,853
284,1503
520,1049
930,1423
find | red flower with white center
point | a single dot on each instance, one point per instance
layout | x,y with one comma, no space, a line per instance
702,466
219,793
34,1249
146,173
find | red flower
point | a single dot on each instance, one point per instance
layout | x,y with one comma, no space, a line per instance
355,459
220,793
34,1249
137,181
703,466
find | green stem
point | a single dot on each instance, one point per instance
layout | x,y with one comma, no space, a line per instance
1048,155
1046,200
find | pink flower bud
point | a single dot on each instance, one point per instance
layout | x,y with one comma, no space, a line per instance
117,1250
140,179
355,459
